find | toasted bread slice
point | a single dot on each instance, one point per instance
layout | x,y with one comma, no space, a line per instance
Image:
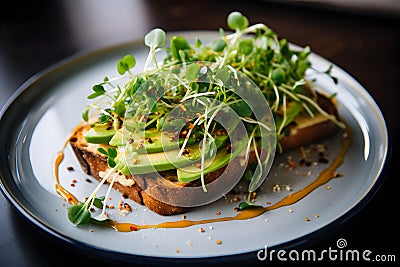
95,164
302,132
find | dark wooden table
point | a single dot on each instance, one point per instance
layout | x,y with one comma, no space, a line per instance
37,34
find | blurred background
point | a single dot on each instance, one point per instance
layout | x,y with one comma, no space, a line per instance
360,36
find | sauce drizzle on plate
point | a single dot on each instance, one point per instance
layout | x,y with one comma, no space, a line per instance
324,177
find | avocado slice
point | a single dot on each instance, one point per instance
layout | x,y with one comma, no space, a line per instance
167,160
151,143
99,134
190,173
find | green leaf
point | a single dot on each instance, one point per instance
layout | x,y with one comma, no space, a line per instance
242,109
98,202
221,32
79,214
155,38
160,123
247,205
98,89
218,45
236,21
284,47
278,76
246,46
129,61
248,175
111,162
223,74
192,72
178,43
198,43
102,151
85,114
121,67
94,95
112,152
125,64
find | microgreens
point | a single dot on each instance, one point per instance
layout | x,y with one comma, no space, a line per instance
255,50
111,154
154,39
80,214
125,64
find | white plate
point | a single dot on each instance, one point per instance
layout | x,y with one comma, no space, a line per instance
47,107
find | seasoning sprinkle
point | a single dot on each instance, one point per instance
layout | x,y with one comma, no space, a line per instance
328,187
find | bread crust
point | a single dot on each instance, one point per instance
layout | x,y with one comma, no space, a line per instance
93,163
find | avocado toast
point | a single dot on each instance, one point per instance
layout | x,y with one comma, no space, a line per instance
164,133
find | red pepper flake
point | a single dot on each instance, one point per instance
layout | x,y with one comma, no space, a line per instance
268,202
218,213
201,230
72,184
74,181
292,165
70,168
133,228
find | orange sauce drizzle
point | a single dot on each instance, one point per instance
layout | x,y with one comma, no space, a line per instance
61,191
324,177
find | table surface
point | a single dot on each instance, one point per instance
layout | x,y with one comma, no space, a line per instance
365,43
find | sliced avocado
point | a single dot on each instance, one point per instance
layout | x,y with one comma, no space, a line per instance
167,160
119,139
99,134
190,173
151,143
